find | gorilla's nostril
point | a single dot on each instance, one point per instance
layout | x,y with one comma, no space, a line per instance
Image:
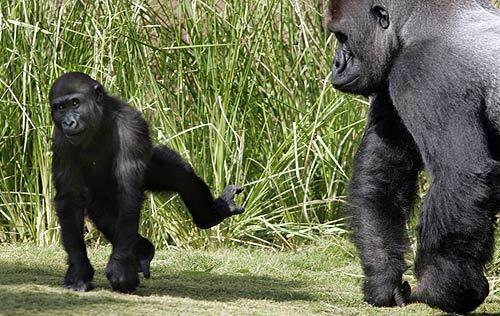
340,61
341,37
69,123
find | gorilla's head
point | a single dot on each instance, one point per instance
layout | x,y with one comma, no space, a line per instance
367,43
76,102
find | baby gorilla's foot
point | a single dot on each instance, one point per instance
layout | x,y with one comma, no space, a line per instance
79,277
121,272
144,252
224,207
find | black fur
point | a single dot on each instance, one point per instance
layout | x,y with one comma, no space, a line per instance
432,71
103,161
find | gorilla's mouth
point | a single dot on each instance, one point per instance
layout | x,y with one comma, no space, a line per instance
345,69
73,134
347,83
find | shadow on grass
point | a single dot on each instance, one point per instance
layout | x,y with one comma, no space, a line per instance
25,300
18,273
25,287
225,287
28,289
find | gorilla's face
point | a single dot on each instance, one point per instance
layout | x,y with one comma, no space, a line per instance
76,108
366,45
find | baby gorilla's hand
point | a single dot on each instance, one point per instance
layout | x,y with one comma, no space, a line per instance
224,206
121,272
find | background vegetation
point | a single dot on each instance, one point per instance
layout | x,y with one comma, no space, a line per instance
240,88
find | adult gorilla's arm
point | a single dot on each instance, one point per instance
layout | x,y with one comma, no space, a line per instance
167,171
381,194
456,227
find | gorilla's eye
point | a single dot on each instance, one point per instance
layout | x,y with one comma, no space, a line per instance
382,16
75,102
58,106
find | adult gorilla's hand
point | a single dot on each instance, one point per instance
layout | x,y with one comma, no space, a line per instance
402,294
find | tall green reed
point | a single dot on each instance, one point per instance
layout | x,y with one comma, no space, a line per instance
240,89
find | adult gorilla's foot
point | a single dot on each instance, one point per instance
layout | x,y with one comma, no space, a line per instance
452,285
79,277
121,272
224,207
144,252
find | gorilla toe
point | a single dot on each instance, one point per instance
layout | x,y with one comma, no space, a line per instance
79,277
79,286
144,252
122,273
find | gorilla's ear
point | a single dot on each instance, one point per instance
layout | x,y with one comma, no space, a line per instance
99,92
382,16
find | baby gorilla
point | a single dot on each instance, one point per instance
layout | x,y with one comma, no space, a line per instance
103,161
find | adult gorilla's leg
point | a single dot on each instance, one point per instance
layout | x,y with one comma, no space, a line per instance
167,171
456,225
382,191
70,214
104,215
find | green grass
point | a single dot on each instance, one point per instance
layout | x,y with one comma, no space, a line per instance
322,279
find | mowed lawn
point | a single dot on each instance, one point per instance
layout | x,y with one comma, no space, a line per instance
323,279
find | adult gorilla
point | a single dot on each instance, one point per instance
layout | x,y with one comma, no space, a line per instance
103,162
432,70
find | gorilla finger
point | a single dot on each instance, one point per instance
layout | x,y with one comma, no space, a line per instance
237,210
238,190
399,298
230,191
402,294
123,285
406,289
